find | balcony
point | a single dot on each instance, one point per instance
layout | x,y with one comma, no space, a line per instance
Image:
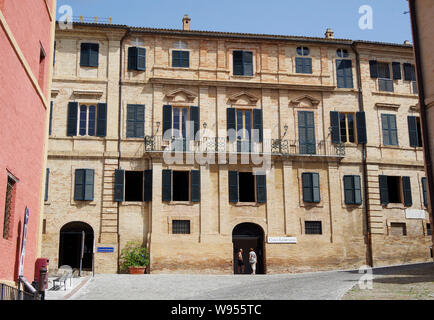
282,147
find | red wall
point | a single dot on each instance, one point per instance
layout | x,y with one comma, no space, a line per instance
22,127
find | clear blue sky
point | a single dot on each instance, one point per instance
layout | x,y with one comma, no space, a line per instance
283,17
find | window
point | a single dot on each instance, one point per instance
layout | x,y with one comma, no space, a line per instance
381,71
428,229
415,131
180,59
303,65
89,54
312,227
311,187
178,118
390,131
240,123
395,190
243,63
135,121
136,58
410,75
342,53
247,187
344,73
133,186
347,127
180,226
181,185
50,124
425,192
84,184
9,204
353,190
306,132
88,119
398,229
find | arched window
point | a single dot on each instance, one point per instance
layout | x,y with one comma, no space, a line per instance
303,64
303,51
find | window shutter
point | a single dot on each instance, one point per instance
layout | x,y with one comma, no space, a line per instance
299,65
348,74
307,187
79,185
139,121
316,187
340,73
101,128
93,55
258,125
185,59
306,130
233,186
119,193
406,187
167,185
132,58
195,118
231,124
147,197
307,65
335,126
357,190
261,189
396,67
412,130
408,72
349,189
384,190
89,184
141,59
131,121
393,130
47,181
51,118
248,63
167,122
361,127
425,192
373,67
71,126
195,185
238,63
84,55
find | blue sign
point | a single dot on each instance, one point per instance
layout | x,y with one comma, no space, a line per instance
105,249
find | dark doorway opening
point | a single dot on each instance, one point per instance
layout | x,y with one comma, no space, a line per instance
246,236
70,245
134,186
181,185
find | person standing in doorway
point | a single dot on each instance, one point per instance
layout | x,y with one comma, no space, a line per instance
253,260
240,262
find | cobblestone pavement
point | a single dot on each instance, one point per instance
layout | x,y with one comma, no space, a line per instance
309,286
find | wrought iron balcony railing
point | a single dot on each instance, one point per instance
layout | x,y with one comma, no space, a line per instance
222,145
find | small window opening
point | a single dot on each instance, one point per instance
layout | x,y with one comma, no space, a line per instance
247,187
133,186
394,187
181,185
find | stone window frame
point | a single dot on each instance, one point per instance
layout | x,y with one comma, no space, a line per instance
231,61
186,218
314,218
79,66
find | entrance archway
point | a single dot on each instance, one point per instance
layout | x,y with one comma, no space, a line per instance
70,245
246,236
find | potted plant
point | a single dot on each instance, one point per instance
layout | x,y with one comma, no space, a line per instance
134,258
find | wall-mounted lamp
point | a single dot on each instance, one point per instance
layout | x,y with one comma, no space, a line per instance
157,125
204,125
286,130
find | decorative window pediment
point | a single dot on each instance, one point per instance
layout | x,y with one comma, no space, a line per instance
305,101
181,95
243,98
88,93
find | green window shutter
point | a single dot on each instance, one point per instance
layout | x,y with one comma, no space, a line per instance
349,190
425,192
132,58
306,131
373,67
238,63
84,55
390,131
141,59
185,59
167,122
167,185
47,181
71,125
361,127
248,63
349,83
101,128
258,125
93,55
316,188
261,189
195,118
79,184
406,187
119,190
357,190
335,127
89,184
51,118
307,187
231,124
307,65
396,68
131,121
147,197
412,130
384,190
233,186
139,125
340,73
299,65
195,185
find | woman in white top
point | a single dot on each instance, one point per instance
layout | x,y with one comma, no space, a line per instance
252,260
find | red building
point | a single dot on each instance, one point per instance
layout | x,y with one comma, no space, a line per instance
26,46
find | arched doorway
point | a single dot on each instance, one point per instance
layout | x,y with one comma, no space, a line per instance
70,244
246,236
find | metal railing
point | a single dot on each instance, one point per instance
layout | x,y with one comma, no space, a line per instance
223,145
11,293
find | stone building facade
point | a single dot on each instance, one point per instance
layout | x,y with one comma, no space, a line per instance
331,177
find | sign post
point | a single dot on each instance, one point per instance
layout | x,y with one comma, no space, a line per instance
83,235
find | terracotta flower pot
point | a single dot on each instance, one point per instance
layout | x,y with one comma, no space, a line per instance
137,270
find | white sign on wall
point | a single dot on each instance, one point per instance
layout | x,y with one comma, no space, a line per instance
414,214
287,240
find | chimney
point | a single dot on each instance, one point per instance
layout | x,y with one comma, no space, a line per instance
186,23
329,34
407,42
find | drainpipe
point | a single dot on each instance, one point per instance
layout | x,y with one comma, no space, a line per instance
119,128
369,257
423,115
